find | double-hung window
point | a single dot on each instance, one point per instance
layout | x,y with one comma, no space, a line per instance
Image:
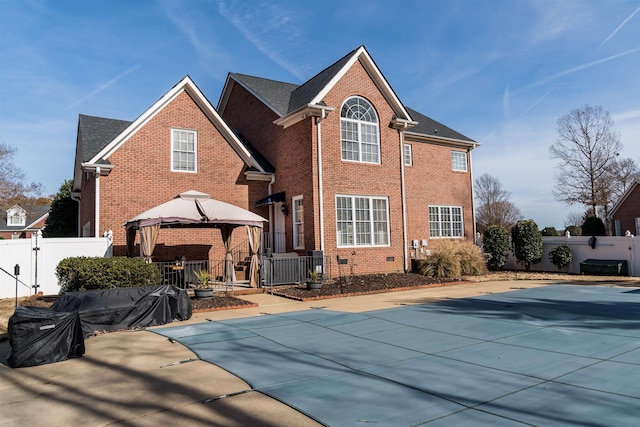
408,155
445,221
298,223
359,135
459,161
362,221
184,150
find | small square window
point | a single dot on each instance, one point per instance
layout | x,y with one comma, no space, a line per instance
459,161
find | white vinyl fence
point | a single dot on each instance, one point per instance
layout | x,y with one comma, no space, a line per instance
625,248
43,261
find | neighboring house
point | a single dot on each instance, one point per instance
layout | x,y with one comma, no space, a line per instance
337,164
19,223
625,215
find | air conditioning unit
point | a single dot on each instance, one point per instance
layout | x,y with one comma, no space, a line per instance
414,244
424,242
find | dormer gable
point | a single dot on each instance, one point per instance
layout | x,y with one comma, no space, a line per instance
16,216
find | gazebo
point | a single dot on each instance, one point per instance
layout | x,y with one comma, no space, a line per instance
193,209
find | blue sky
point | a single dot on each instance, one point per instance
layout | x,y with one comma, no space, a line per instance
500,72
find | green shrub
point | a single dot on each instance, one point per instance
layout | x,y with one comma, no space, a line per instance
527,242
549,231
561,255
495,243
593,226
85,273
454,259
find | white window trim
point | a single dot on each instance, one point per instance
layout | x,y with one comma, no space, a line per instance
297,222
16,219
359,125
408,155
371,222
464,153
195,149
440,236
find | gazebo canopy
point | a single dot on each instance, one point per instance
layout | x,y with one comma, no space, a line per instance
197,210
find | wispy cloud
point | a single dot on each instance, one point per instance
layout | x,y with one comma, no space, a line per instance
103,87
271,28
535,103
572,70
620,27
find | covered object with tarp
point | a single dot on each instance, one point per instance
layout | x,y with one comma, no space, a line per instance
193,209
38,336
46,335
122,308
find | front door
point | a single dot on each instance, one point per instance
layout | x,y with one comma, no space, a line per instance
279,242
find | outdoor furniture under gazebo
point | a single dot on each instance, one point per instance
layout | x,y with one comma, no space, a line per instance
193,209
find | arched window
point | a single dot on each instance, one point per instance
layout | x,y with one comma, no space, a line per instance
359,131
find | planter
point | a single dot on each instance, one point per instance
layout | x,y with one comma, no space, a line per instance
206,293
313,285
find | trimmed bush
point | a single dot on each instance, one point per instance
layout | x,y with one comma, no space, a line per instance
593,226
454,259
86,273
495,242
561,255
527,242
549,231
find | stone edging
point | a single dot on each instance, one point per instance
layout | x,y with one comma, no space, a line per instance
372,292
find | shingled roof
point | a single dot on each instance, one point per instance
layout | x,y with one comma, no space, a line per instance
285,98
428,126
94,133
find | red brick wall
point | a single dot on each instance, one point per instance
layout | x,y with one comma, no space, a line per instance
293,152
352,178
628,212
87,202
142,178
431,181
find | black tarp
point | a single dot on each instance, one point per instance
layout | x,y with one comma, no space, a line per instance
40,335
46,335
121,308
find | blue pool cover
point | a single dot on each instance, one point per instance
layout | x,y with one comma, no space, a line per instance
556,355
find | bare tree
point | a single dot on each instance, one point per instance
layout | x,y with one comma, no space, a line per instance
494,206
587,148
13,189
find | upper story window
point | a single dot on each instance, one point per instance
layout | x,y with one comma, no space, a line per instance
459,161
359,131
408,155
16,216
184,150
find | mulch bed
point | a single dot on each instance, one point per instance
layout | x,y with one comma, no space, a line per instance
363,285
341,287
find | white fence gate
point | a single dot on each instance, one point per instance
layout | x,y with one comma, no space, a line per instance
625,248
40,257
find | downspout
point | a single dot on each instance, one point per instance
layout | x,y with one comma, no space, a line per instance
320,187
473,211
271,232
404,204
77,198
96,231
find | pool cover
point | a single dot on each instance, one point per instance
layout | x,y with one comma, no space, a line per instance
556,355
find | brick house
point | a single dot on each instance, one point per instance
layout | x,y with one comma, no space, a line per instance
21,223
337,164
625,215
180,143
362,176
